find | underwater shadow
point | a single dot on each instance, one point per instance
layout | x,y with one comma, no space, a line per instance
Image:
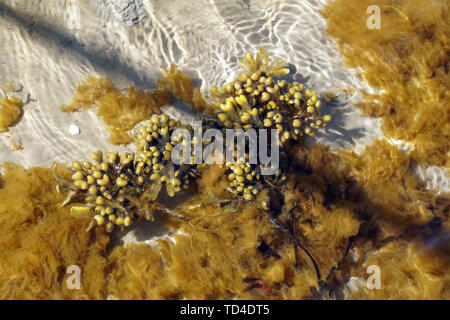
375,218
22,110
142,231
146,230
50,33
335,130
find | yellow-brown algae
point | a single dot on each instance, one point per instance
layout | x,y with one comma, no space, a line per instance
10,111
120,112
408,60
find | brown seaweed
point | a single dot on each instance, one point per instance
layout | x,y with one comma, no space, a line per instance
409,60
10,111
120,112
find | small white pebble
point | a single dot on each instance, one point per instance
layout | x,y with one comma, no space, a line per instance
74,129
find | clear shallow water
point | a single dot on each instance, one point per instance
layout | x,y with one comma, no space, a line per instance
52,46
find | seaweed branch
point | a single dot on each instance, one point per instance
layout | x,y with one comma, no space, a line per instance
292,227
297,242
289,231
174,214
334,268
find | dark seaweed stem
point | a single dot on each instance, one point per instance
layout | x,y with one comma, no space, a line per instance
264,247
334,268
297,242
292,227
347,249
174,214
